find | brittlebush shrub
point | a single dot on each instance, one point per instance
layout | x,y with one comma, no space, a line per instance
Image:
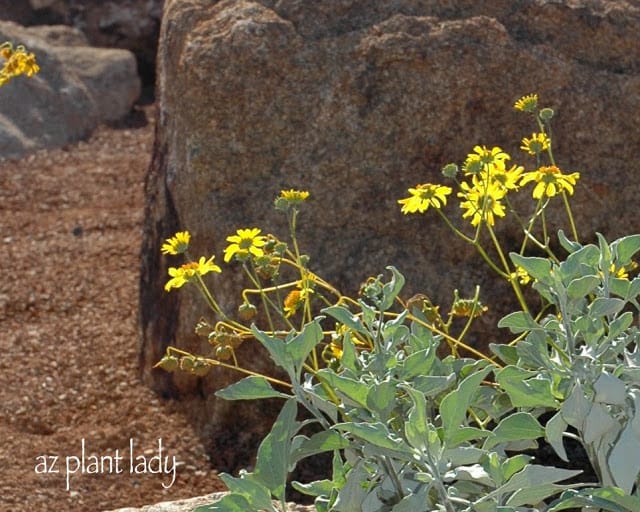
411,429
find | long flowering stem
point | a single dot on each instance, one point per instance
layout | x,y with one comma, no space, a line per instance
209,298
475,243
266,301
513,281
215,362
567,206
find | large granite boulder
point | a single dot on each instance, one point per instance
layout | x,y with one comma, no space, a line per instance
78,87
356,101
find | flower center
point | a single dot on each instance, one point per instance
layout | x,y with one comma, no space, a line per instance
245,243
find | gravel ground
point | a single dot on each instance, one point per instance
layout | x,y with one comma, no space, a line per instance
78,430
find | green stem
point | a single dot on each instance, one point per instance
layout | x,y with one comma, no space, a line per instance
567,206
209,298
215,362
475,243
513,280
476,297
266,301
455,230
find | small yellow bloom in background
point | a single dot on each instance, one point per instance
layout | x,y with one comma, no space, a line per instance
623,272
244,243
528,103
296,298
424,196
550,181
521,275
292,303
482,202
177,244
187,272
18,62
538,143
484,160
468,308
336,350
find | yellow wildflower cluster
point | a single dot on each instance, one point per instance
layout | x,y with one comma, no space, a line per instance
244,244
17,61
490,178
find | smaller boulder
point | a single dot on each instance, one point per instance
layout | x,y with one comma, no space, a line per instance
78,87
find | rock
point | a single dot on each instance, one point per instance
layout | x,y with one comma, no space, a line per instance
356,102
127,24
77,88
189,504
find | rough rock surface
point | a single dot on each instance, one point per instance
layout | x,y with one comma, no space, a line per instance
127,24
78,87
356,102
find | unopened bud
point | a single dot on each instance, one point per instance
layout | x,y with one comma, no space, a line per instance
168,363
200,368
223,353
450,170
546,114
247,311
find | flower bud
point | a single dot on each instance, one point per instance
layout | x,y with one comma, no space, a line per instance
168,363
304,260
223,353
280,248
450,170
247,311
200,368
546,114
203,328
187,363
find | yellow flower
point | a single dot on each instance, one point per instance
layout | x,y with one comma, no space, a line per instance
189,271
336,350
482,201
292,302
244,243
623,272
538,143
290,198
177,244
527,103
294,195
296,298
550,181
424,196
508,179
521,275
18,62
468,308
483,159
